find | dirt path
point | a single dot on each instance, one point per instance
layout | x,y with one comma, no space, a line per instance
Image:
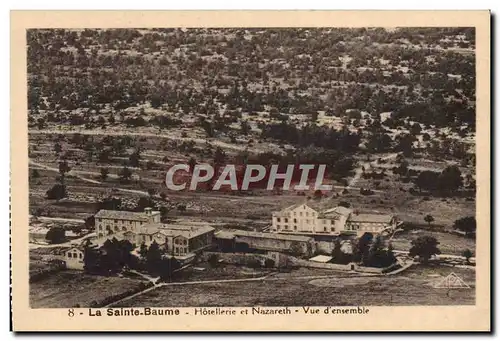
127,132
59,219
74,174
66,244
184,283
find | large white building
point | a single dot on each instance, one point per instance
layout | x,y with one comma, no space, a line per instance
304,220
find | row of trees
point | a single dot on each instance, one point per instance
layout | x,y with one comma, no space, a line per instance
115,255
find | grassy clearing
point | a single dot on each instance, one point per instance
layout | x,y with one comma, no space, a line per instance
413,288
449,243
68,288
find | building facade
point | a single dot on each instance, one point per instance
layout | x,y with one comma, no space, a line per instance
109,222
74,258
145,228
303,220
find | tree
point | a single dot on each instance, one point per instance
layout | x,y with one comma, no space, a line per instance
338,256
245,127
57,148
376,253
467,254
427,180
466,225
56,235
163,213
153,258
192,163
295,249
391,258
362,248
57,192
213,260
91,258
104,173
90,222
424,247
219,156
64,168
450,179
135,158
269,263
429,219
34,174
143,251
144,202
125,174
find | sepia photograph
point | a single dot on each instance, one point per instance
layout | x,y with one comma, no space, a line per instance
275,169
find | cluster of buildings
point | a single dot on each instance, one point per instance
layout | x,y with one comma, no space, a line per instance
145,228
301,219
298,228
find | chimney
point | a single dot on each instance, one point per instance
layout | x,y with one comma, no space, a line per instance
148,211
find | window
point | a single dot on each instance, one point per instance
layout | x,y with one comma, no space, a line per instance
333,229
70,255
307,221
286,227
116,221
300,214
325,229
150,238
130,222
286,220
278,226
307,214
333,221
75,255
295,227
124,228
278,220
80,255
295,220
294,213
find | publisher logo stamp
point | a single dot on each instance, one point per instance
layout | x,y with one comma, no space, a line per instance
452,281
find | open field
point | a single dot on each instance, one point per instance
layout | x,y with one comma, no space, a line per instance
67,289
449,243
412,288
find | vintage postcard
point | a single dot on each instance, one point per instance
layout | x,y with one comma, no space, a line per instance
250,171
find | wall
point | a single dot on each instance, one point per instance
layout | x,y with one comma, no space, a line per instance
236,258
333,266
271,244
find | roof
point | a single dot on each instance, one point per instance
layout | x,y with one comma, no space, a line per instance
371,218
186,231
321,259
242,233
74,248
225,235
340,210
124,215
